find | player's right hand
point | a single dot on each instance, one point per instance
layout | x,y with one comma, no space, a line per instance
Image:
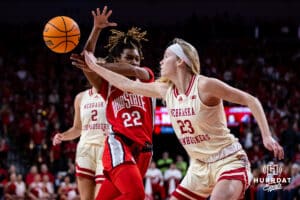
101,19
57,139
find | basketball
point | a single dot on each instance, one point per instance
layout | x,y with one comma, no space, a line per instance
61,34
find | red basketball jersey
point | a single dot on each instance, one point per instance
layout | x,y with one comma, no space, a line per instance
130,114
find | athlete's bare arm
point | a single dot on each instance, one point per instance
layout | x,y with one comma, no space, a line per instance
100,22
154,89
213,90
75,131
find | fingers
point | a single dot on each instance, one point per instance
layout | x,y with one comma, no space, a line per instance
109,13
94,14
275,151
57,139
278,151
104,10
113,24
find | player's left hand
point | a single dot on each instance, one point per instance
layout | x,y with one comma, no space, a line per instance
274,146
78,61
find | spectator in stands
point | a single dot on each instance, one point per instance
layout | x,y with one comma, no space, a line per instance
154,182
48,186
68,190
36,190
291,191
30,176
172,178
181,164
164,162
45,172
21,187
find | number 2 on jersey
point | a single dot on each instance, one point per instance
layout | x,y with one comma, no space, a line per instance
132,119
94,115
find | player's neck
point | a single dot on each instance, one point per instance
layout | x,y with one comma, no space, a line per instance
182,82
94,90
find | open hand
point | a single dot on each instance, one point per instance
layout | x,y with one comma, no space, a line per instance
78,61
101,19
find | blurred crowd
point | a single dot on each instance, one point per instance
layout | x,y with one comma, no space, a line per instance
37,89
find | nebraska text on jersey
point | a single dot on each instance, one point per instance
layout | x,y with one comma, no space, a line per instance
94,105
126,101
178,112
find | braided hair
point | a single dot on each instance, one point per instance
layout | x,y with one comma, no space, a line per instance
118,41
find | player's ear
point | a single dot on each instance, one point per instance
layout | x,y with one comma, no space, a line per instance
180,62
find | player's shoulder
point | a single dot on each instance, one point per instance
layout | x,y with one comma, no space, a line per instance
81,94
203,80
208,83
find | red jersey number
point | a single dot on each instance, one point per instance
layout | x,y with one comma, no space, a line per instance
185,126
132,119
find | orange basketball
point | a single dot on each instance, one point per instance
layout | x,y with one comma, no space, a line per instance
61,34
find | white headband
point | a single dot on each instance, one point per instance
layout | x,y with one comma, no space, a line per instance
176,48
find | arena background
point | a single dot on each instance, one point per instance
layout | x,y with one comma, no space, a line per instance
252,45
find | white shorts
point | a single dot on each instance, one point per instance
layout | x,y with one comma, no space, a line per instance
202,177
89,162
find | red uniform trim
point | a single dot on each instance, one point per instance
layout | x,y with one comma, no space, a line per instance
187,192
84,169
85,176
239,174
188,90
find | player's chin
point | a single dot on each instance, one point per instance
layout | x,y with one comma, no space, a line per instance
162,73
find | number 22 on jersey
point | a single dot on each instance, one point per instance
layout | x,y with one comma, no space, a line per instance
132,119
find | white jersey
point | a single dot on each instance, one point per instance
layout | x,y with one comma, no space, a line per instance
155,175
201,129
93,118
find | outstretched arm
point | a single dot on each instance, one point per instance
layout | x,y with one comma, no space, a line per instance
100,22
120,68
75,131
219,89
153,89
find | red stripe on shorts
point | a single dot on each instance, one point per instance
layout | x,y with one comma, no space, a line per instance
85,176
189,193
241,176
99,178
179,196
84,169
242,169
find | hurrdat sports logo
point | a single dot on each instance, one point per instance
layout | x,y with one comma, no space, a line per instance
273,179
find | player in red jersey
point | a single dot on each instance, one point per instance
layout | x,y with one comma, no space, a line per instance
128,148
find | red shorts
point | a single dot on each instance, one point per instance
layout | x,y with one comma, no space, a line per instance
118,150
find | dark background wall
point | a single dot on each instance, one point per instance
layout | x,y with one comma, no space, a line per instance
148,11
